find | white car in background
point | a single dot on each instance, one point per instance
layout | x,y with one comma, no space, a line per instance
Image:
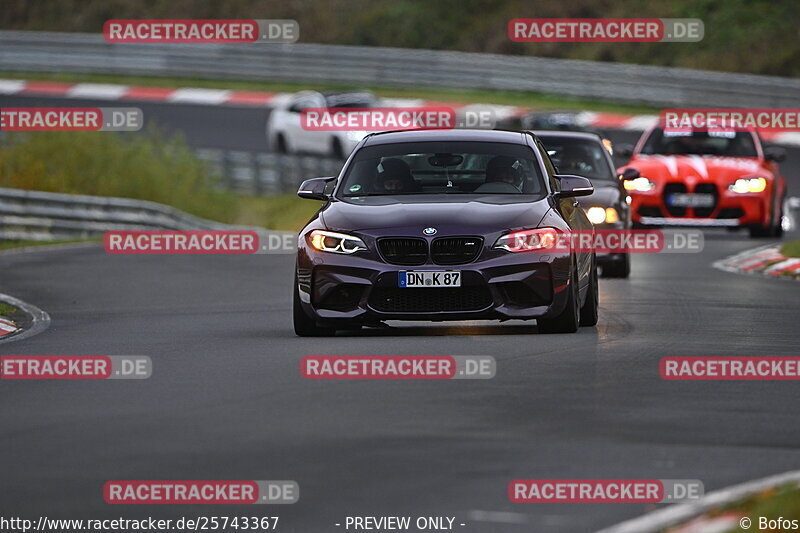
286,135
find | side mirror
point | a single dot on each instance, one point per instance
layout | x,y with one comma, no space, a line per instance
630,173
775,153
572,186
623,150
314,189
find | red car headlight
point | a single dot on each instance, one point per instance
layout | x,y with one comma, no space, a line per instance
748,185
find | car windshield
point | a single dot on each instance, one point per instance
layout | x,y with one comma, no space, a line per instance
725,143
551,121
583,157
444,168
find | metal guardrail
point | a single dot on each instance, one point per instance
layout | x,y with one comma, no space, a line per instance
266,173
329,64
46,216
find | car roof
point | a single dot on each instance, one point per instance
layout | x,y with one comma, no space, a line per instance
408,136
588,135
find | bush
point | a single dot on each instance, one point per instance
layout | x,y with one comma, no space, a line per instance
107,164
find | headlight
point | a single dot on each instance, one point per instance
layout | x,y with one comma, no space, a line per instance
748,185
356,135
338,243
599,215
528,240
639,184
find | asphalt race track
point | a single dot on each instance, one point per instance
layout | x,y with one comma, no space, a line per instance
226,400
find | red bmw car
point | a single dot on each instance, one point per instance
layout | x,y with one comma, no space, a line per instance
706,178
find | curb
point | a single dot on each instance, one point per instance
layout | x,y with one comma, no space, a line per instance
222,97
7,327
683,514
197,96
764,260
39,320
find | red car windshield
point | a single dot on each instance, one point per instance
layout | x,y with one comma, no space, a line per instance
723,143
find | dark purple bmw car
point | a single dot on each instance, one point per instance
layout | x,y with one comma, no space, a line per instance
444,225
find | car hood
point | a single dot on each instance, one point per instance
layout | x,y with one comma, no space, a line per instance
450,216
697,168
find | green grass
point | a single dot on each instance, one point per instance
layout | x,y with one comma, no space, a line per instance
791,249
148,167
7,310
284,212
779,502
755,36
521,99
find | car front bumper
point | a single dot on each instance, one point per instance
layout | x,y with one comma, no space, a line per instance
730,210
336,288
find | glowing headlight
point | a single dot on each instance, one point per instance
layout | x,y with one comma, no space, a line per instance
338,243
599,215
748,185
639,184
356,135
528,240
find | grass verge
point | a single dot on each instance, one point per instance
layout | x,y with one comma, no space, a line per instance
771,504
148,167
7,310
791,249
520,99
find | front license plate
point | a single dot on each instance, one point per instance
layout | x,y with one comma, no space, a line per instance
429,279
679,199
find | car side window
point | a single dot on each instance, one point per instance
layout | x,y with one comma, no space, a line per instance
549,167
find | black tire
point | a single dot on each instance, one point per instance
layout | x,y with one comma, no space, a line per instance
760,232
304,325
280,144
336,149
618,269
778,232
589,311
775,229
567,321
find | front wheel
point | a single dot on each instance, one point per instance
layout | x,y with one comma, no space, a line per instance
281,146
775,229
304,325
589,311
337,152
567,321
618,269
